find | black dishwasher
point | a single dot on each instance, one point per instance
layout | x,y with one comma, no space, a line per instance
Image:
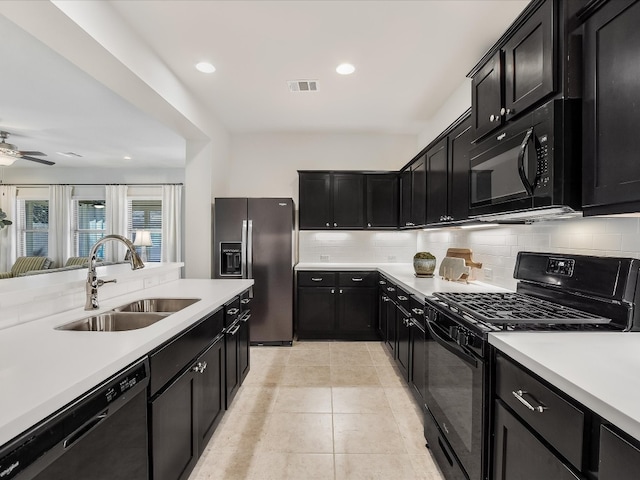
100,436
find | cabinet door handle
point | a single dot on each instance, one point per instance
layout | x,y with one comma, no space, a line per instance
235,329
382,282
357,279
402,298
417,311
506,111
316,279
327,224
519,394
391,289
369,225
335,224
245,318
341,292
333,290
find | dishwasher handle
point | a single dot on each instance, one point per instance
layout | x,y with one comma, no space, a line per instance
84,429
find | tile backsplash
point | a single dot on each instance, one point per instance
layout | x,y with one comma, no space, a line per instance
356,247
495,247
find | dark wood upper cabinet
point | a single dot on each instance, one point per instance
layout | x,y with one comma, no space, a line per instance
611,112
382,200
413,185
486,96
519,73
459,146
437,181
348,200
528,62
331,200
315,204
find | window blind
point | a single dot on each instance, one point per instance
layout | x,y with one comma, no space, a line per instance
89,226
33,238
146,214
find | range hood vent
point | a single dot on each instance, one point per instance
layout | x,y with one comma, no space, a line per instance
303,85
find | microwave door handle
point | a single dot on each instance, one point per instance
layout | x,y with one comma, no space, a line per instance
523,151
451,346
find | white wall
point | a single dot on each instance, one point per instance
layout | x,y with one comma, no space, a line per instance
266,164
454,106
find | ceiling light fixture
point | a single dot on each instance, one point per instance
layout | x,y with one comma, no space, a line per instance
6,160
127,157
205,67
345,69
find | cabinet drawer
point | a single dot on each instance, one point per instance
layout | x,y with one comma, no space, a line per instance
554,418
316,279
231,311
403,299
357,279
166,362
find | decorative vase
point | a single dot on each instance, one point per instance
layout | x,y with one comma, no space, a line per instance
424,264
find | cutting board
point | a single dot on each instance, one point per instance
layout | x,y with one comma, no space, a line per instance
464,253
452,268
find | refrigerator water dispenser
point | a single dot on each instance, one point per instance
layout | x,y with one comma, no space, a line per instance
231,259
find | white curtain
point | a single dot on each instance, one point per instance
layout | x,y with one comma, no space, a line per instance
171,223
116,219
60,223
8,235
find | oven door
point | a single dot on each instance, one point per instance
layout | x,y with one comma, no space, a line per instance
505,172
454,387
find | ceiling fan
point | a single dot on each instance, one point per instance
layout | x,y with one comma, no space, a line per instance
9,153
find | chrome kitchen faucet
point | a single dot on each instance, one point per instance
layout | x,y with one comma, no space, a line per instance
92,277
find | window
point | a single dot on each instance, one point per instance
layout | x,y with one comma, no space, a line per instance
33,237
88,227
146,214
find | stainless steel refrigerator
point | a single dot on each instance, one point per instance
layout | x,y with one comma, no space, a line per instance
254,238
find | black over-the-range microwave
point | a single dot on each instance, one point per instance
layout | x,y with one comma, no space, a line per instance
531,164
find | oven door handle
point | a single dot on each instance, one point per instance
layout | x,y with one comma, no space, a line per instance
453,347
523,151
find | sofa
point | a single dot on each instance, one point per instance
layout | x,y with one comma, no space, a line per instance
23,265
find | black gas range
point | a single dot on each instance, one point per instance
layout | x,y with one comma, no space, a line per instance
555,292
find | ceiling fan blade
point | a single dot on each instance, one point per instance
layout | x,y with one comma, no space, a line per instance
32,154
39,160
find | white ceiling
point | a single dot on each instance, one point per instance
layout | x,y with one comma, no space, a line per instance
409,57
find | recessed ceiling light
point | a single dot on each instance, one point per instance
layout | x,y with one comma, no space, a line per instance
345,69
205,67
127,157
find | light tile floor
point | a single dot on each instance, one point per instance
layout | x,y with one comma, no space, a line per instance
320,410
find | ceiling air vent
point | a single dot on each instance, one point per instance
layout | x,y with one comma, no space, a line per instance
303,85
69,154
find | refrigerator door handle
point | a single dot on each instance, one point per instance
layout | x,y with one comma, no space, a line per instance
243,253
250,255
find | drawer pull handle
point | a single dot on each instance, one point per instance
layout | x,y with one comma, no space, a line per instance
357,279
519,394
417,311
391,289
382,282
244,301
233,311
402,298
316,279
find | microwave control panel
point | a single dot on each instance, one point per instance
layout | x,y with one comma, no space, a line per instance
542,156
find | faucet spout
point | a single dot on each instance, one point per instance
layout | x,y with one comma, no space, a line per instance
93,282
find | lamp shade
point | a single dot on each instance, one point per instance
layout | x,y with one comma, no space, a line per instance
143,238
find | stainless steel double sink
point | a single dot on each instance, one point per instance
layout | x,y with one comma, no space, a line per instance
132,316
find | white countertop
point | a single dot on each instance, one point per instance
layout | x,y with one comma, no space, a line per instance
42,369
404,275
600,370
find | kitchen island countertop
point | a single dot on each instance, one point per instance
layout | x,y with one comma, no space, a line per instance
43,369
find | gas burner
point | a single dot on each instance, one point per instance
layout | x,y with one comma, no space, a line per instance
515,308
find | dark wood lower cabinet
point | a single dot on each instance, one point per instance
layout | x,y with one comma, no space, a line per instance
519,455
244,356
390,338
342,307
210,385
417,367
232,351
403,348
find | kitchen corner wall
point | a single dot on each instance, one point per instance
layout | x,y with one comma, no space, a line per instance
498,247
356,247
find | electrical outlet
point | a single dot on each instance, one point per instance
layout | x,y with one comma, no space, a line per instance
391,258
488,273
324,258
